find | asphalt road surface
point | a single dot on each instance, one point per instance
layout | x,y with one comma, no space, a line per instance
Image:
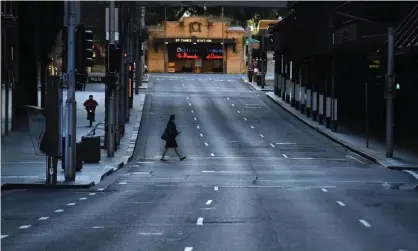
256,179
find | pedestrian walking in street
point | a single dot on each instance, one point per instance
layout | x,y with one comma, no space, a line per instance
169,135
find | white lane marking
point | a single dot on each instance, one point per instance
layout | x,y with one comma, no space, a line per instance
261,135
216,188
25,226
227,98
206,144
192,111
188,248
272,145
143,233
123,183
195,118
201,135
238,111
212,154
59,211
199,221
245,119
354,158
92,193
365,223
233,105
207,171
412,173
341,203
190,104
285,143
100,189
252,127
43,218
187,97
198,127
97,227
324,190
71,204
284,155
4,236
208,202
83,198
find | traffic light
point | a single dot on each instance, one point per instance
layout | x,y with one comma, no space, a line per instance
114,58
84,48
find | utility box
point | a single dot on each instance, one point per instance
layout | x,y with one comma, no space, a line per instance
91,149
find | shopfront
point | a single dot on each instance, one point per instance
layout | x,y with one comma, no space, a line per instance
200,50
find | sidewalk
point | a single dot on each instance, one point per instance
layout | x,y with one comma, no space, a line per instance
403,159
268,87
21,168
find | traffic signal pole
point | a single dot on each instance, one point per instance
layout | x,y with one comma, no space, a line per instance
70,116
111,92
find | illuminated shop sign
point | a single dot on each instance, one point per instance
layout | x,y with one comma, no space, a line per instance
186,56
214,53
189,40
187,53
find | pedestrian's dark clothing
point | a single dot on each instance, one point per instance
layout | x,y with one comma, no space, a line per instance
170,135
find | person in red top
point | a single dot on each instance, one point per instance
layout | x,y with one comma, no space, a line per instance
91,104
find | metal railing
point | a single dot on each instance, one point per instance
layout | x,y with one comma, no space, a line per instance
407,30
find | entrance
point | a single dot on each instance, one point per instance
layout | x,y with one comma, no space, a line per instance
195,58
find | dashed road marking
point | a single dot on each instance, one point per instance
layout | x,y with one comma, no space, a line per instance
92,193
284,155
233,105
238,111
83,198
192,111
261,135
212,154
4,236
208,202
195,118
59,211
100,189
245,119
188,248
123,183
341,203
206,144
25,226
227,98
201,135
144,233
208,171
97,227
272,145
71,204
324,190
198,127
199,221
354,158
43,218
187,97
365,223
285,143
252,127
216,188
190,104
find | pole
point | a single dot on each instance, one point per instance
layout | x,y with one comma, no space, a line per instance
70,129
117,92
389,97
142,59
367,114
332,74
165,40
138,76
111,91
130,59
223,42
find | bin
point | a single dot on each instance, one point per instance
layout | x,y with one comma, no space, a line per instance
91,149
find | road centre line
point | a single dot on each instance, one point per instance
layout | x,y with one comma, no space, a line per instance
341,203
208,202
284,155
365,223
199,221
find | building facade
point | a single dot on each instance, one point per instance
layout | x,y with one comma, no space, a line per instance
196,45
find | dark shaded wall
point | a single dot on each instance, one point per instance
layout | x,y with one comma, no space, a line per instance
39,24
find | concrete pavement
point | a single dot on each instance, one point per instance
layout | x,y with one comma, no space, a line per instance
21,168
256,178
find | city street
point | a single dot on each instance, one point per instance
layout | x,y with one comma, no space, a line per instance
255,179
